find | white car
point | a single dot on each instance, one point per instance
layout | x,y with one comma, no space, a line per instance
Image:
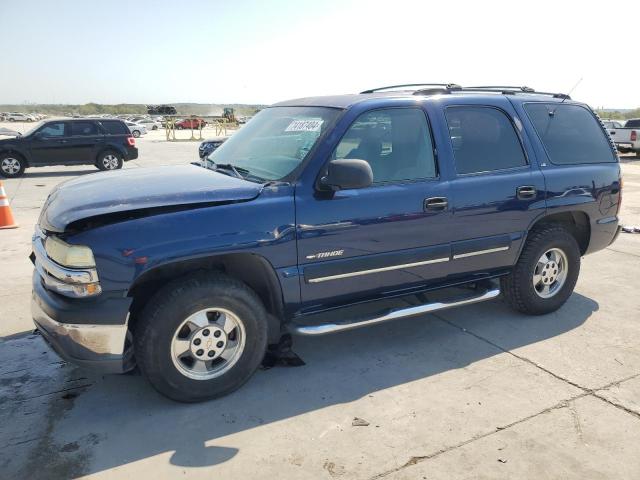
149,123
136,129
19,117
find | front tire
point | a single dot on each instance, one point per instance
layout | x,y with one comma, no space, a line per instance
109,160
201,337
12,165
546,272
136,133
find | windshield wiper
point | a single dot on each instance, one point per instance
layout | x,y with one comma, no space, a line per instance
227,166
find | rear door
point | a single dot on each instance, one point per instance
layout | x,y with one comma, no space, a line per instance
497,188
50,144
84,141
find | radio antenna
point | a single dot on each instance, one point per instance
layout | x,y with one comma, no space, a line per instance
571,91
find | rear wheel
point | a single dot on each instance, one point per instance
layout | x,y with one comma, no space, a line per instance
109,160
11,165
136,133
546,272
201,337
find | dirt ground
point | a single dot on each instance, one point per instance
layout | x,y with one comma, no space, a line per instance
474,392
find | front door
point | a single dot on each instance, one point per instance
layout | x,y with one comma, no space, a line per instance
358,243
50,144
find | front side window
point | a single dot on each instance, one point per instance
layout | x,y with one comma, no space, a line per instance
83,129
395,142
571,134
483,140
275,142
52,130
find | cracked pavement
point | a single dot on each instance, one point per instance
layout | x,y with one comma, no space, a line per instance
475,392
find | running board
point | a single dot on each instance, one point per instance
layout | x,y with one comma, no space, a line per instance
394,314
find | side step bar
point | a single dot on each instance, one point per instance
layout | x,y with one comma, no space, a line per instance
322,329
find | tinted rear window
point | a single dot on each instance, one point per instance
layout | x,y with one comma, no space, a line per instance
570,134
483,140
83,129
632,124
115,128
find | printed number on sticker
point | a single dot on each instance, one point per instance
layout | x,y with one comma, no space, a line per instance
304,126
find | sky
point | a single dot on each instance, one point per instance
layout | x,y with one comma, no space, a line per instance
249,51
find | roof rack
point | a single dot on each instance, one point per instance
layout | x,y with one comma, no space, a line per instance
444,88
428,84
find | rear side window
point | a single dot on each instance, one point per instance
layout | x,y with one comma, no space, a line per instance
83,129
483,140
570,134
114,128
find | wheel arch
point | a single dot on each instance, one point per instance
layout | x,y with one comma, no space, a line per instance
576,222
252,269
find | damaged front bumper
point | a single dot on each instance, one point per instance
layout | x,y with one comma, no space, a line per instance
105,348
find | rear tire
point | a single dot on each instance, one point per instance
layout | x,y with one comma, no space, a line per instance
109,160
193,319
546,272
12,165
136,133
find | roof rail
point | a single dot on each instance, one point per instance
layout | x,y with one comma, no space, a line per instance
428,84
440,88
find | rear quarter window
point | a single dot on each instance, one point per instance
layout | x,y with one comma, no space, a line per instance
570,134
114,128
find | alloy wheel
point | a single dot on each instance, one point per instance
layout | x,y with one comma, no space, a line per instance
10,165
550,273
208,343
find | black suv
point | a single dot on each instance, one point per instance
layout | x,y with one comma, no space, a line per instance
100,142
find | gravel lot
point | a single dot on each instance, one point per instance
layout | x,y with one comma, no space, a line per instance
475,392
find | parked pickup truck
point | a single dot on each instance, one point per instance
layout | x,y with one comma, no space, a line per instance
322,215
626,137
103,143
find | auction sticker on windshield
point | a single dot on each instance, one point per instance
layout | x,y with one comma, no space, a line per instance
310,125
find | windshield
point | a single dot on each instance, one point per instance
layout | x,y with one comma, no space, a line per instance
275,141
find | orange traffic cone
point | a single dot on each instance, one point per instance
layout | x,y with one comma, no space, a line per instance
6,217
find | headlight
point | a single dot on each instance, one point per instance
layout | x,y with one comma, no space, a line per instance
73,256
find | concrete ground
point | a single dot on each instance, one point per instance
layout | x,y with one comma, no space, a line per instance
475,392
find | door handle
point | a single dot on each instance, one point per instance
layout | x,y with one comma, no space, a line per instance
436,203
612,133
63,141
526,192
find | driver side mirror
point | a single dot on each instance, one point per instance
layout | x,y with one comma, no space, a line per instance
343,174
38,136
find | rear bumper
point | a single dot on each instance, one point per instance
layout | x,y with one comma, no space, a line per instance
603,233
132,154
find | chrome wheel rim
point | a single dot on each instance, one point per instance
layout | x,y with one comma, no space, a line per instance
110,162
550,273
10,165
208,343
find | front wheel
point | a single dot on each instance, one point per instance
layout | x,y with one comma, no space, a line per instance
136,133
201,337
11,165
546,272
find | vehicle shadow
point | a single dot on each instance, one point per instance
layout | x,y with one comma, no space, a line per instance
133,422
60,173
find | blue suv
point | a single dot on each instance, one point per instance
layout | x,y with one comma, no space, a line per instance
320,215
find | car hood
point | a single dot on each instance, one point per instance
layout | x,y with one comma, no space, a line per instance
139,189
